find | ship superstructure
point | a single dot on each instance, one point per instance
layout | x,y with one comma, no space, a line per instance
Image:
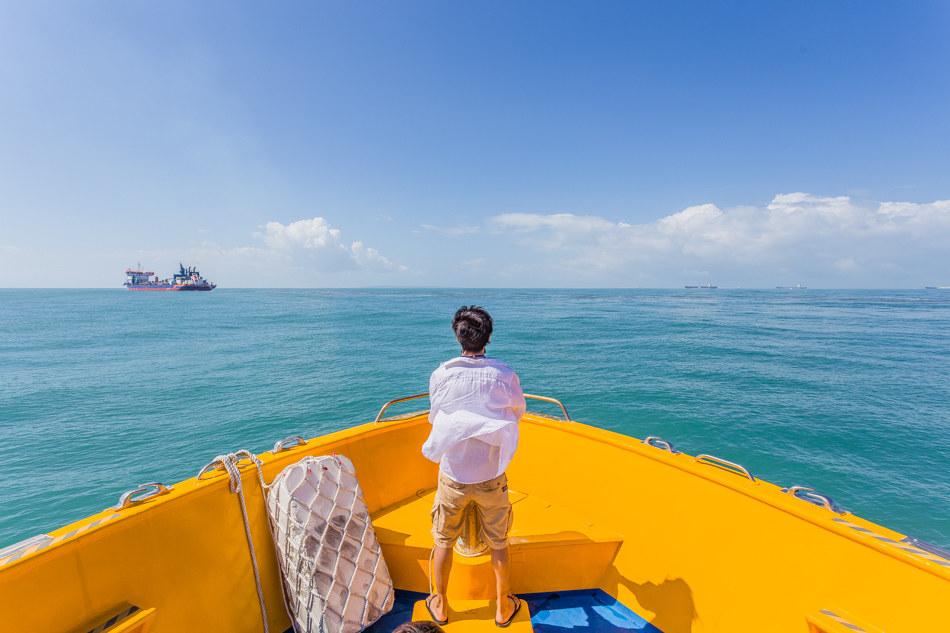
185,279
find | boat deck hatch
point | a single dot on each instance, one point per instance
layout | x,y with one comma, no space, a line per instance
552,549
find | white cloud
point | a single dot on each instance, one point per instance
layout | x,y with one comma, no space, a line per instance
315,234
832,240
311,244
316,246
472,266
370,259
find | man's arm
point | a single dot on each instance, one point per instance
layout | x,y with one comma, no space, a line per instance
517,402
434,404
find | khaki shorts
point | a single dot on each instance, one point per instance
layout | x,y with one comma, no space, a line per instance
491,503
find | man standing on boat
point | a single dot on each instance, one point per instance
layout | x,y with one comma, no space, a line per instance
476,404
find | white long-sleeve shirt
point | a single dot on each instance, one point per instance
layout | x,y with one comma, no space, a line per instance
476,404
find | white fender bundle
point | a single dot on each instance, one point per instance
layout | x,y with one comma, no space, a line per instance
336,578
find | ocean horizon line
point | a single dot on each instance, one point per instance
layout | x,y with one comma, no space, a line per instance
508,288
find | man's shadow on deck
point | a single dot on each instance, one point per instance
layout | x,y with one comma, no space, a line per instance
671,600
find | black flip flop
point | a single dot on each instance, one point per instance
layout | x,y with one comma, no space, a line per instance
517,602
432,615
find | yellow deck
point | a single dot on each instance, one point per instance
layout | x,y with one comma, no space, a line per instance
687,546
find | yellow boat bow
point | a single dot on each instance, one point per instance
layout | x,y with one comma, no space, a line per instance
610,534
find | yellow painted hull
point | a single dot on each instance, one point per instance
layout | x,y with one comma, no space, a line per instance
688,546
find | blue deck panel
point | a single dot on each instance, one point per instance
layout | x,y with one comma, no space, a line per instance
583,611
401,613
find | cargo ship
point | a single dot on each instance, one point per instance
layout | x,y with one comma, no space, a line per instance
186,279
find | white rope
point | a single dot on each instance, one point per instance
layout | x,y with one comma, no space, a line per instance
229,463
270,527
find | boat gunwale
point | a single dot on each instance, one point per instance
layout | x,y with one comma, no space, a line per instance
758,490
754,490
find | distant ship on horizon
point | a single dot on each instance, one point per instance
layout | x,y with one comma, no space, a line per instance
798,287
186,279
936,287
706,287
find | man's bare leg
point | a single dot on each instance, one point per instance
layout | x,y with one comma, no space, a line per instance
442,565
501,564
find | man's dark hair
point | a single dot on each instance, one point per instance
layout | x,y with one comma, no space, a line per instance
473,326
419,626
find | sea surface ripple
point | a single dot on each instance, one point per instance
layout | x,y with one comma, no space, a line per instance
844,391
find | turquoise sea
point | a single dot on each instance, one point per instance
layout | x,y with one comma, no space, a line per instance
845,391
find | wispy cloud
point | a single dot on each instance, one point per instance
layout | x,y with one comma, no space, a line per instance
797,235
472,266
462,229
315,245
370,259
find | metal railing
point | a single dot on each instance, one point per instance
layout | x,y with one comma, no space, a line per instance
218,466
659,442
143,493
286,444
379,416
803,493
397,401
816,498
567,418
719,462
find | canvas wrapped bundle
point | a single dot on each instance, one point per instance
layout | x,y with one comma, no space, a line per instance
335,575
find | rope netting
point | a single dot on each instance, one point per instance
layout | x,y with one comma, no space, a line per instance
333,568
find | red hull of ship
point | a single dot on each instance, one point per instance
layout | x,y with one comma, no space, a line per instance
170,288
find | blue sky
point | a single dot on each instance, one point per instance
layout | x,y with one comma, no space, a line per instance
489,144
